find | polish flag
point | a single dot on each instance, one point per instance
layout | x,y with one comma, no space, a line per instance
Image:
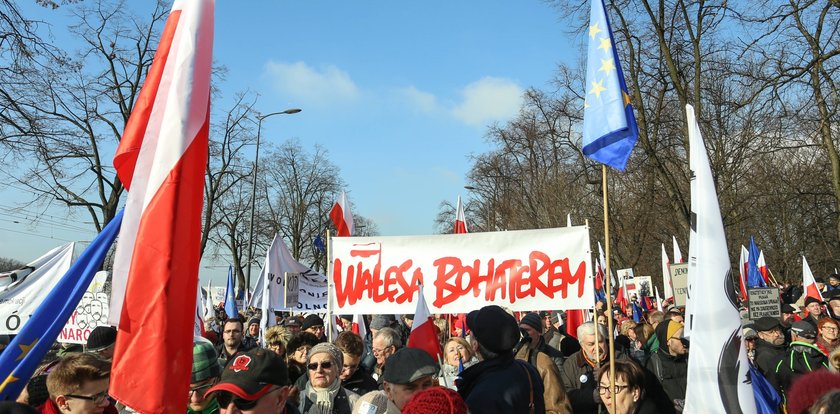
359,327
666,275
460,219
424,332
574,318
743,269
341,217
808,282
161,160
762,268
677,254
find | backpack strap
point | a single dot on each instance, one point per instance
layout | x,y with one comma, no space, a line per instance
531,407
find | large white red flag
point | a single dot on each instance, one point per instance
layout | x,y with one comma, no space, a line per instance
341,217
161,160
666,275
808,282
424,332
460,219
718,368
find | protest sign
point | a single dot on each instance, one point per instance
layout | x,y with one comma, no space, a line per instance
625,274
91,312
521,270
26,289
644,286
292,293
679,279
764,302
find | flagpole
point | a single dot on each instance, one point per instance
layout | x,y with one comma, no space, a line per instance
329,284
608,282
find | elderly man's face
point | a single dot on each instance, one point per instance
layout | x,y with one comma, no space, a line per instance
382,352
588,345
399,394
814,308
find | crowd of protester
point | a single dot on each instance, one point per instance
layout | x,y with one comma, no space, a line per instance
492,361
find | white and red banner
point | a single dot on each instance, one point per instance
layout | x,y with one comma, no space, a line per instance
521,270
161,161
342,217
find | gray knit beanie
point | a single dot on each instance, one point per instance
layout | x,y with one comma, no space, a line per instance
332,350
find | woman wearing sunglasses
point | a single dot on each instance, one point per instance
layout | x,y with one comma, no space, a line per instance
324,393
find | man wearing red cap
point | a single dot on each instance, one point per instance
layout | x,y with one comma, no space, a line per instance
255,381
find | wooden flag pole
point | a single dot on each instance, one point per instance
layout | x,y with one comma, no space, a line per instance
609,286
329,287
595,316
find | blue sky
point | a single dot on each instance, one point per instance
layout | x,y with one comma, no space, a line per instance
399,93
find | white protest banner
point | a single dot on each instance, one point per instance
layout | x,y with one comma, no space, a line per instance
91,312
312,286
30,286
679,279
521,270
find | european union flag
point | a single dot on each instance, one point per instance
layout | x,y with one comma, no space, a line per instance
230,299
319,244
24,354
609,127
754,278
767,400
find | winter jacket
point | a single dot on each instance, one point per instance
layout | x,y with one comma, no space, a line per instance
670,370
554,395
767,356
800,358
502,385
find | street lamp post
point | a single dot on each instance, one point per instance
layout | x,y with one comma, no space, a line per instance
254,191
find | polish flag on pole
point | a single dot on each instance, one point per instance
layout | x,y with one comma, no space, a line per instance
341,217
161,160
424,332
743,269
359,327
808,282
658,299
762,268
677,254
460,219
666,275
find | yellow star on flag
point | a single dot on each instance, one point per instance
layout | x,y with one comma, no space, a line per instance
593,30
597,88
585,104
605,44
25,349
10,379
626,98
606,66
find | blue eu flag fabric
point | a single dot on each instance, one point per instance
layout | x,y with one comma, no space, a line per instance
20,359
767,400
754,278
230,298
609,127
319,244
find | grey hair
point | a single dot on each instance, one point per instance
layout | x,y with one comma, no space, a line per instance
588,328
389,337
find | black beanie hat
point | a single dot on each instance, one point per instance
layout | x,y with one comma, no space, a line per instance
312,320
533,320
101,337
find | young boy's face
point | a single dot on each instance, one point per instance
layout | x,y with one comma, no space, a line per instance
91,398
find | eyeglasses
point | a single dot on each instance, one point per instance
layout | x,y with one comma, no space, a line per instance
201,388
314,366
96,398
224,398
377,351
606,389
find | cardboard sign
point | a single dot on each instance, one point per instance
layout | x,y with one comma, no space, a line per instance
764,302
521,270
679,279
292,291
644,286
625,274
91,312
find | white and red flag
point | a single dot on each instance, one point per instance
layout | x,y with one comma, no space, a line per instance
743,268
161,160
341,217
460,219
666,275
808,282
423,331
762,268
677,253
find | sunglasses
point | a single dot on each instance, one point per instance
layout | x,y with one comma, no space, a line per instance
314,366
224,398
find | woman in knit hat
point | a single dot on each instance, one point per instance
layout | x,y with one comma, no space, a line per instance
324,393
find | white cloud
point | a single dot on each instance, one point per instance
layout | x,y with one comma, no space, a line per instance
423,101
309,85
489,99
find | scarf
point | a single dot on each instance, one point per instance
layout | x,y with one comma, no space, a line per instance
322,398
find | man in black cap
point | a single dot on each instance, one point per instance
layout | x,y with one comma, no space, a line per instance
815,311
407,372
769,347
833,304
547,360
255,381
252,336
499,383
801,357
313,324
101,341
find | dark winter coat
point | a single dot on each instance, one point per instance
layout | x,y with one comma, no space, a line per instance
799,359
766,357
671,371
502,385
